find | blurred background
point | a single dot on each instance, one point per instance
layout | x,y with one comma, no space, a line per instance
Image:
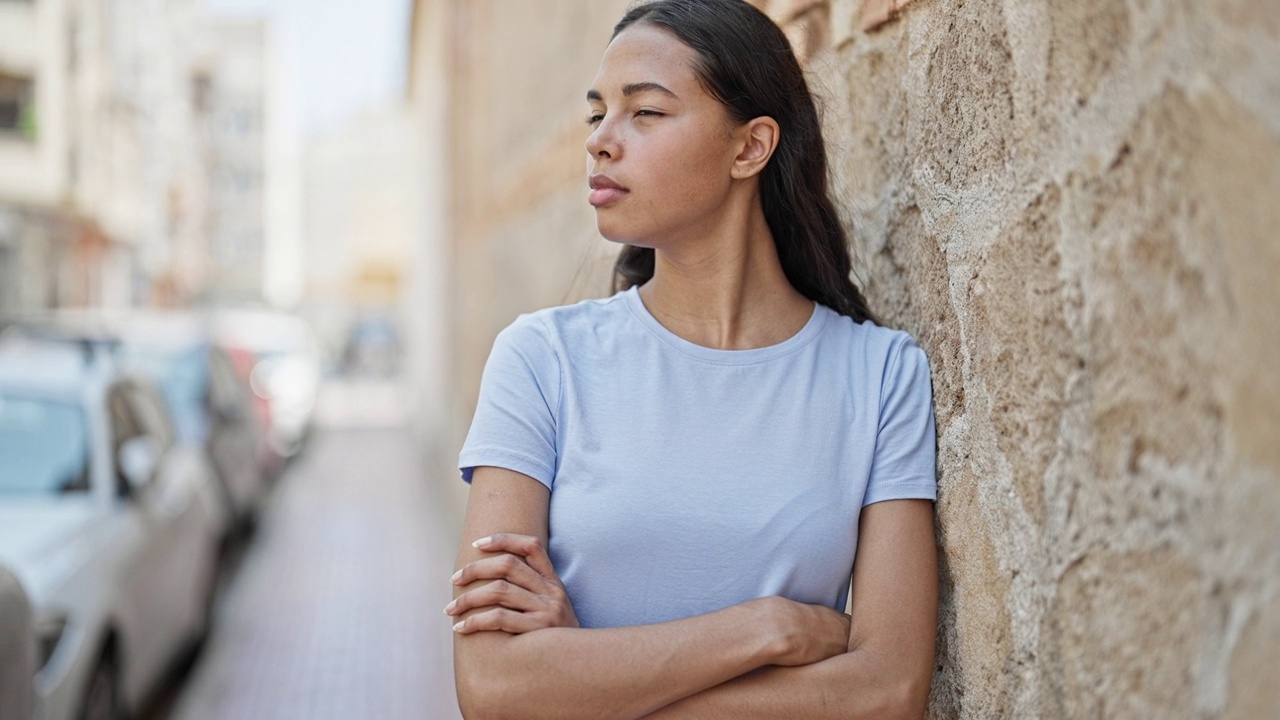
201,155
253,255
213,479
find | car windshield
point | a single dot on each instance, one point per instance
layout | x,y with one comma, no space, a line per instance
44,446
183,376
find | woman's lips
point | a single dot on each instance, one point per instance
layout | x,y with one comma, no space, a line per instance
602,196
604,190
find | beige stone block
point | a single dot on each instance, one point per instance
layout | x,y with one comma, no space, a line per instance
1022,346
1124,635
1248,14
809,35
967,140
1253,690
1087,41
977,640
878,12
845,21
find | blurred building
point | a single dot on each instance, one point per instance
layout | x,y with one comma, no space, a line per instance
361,210
103,158
237,101
506,227
50,254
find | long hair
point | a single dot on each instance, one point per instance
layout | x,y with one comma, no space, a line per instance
746,63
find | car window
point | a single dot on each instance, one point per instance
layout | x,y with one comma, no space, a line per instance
223,383
227,390
184,379
124,425
44,446
153,419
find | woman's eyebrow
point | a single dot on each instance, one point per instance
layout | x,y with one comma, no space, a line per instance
632,88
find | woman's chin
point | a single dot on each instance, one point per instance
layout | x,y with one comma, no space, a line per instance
615,232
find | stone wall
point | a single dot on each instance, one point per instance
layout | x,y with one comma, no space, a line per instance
1071,204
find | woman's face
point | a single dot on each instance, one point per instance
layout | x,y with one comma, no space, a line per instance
661,150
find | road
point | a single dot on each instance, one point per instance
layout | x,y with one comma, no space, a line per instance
334,608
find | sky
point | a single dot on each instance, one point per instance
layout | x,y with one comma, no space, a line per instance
339,56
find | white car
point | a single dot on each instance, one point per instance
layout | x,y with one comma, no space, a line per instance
17,648
287,370
112,528
210,406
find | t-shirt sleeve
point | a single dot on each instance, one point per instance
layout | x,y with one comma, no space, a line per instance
905,462
515,422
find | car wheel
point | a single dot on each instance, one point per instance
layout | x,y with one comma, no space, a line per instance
102,698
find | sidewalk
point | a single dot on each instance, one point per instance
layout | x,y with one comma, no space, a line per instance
336,609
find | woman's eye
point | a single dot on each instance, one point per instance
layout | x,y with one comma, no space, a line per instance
594,118
648,113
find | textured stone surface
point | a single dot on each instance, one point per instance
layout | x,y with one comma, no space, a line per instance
1072,205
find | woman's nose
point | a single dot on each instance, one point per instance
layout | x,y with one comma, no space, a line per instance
601,143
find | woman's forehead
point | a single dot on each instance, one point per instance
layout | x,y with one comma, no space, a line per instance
644,54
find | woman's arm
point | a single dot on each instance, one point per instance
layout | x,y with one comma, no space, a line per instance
565,673
887,671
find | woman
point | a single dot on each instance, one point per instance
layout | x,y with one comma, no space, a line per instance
672,486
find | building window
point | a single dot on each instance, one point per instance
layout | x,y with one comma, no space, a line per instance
17,106
201,93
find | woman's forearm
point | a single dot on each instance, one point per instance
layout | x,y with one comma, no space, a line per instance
603,674
849,687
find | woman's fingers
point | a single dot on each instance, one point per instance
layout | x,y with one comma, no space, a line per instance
524,584
526,546
498,593
502,619
508,567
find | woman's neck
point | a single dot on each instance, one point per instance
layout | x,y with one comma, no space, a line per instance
726,291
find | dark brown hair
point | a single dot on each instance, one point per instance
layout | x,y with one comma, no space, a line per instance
746,62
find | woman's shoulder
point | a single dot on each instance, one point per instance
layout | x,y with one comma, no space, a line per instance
869,339
882,357
563,324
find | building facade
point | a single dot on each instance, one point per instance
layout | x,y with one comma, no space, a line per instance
362,194
104,153
238,135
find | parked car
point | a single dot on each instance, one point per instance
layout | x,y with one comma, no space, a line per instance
112,527
270,459
212,407
286,368
17,649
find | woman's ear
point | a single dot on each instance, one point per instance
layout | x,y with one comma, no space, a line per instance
759,138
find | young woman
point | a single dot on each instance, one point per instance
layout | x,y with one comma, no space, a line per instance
671,487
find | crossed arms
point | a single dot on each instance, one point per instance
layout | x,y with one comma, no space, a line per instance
519,652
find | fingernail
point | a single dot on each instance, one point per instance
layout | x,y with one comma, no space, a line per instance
455,577
482,542
458,627
449,608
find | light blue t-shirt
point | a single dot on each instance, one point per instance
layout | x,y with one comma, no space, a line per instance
686,479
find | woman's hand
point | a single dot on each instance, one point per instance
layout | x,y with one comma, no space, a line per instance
524,594
805,634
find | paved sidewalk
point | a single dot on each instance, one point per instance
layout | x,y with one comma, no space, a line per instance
336,609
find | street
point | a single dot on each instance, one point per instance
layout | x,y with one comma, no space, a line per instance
334,609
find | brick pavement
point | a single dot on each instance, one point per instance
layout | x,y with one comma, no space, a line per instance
336,609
